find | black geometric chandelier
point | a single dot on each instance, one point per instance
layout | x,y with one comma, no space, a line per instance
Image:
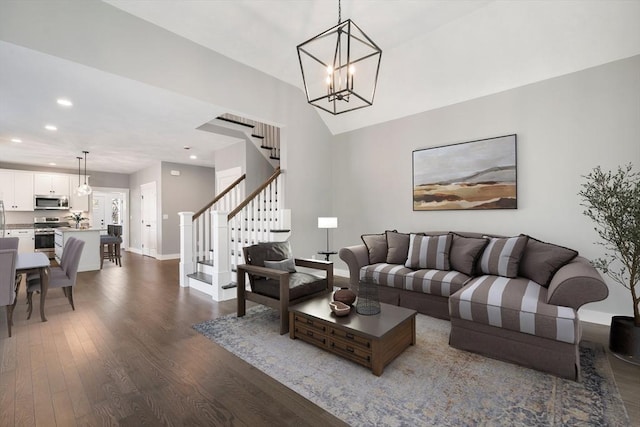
340,68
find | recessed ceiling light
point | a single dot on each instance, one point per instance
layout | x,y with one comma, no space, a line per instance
16,140
186,147
50,127
64,102
193,157
51,164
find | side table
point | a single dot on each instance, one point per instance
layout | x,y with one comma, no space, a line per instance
327,254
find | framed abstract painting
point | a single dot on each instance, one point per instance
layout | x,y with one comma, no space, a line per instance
478,174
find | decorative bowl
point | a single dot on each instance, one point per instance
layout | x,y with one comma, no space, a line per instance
339,309
345,296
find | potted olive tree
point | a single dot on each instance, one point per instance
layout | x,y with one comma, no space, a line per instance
612,201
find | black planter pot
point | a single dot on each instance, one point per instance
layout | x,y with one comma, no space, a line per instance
624,339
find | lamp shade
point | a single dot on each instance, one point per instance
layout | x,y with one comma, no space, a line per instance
327,222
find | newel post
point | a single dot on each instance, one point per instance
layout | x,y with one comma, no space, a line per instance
186,247
220,231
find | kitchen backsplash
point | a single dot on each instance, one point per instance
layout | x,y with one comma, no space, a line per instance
27,217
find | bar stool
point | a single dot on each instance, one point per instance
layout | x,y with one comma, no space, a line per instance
110,245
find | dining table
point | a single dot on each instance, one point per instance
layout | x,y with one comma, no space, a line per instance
29,262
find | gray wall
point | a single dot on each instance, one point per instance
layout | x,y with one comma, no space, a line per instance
566,126
190,191
257,168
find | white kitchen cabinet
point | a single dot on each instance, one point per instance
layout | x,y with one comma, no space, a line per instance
77,203
27,239
16,190
45,184
90,258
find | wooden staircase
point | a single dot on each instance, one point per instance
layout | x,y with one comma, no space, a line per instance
266,137
211,240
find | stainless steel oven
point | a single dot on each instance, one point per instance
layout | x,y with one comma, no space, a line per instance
44,234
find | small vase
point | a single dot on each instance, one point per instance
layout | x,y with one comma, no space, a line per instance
77,224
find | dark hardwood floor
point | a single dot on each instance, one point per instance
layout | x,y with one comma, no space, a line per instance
128,356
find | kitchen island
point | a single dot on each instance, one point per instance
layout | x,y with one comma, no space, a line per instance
90,258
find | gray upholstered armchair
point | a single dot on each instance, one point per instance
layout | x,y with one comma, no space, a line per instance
275,282
8,285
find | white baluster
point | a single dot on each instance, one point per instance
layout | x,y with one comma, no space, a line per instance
187,264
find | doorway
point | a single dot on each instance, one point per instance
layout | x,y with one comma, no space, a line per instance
149,215
110,206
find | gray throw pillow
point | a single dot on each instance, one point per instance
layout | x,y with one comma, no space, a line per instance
540,260
465,252
502,256
284,265
377,246
397,247
429,252
272,251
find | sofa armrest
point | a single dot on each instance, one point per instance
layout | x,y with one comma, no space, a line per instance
356,257
576,284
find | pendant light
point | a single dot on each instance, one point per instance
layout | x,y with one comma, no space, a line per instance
84,189
340,68
79,179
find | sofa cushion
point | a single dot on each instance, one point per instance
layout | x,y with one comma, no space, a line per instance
541,260
465,252
515,304
284,265
398,247
502,256
377,246
384,274
435,282
300,285
429,252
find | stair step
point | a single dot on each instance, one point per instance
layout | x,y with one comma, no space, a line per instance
235,122
230,285
257,136
203,277
208,262
280,231
274,158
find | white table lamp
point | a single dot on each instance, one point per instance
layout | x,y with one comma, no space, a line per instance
327,222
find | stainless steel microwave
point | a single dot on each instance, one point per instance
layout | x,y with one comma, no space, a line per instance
51,203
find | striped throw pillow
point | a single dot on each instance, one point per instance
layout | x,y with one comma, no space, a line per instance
429,252
502,256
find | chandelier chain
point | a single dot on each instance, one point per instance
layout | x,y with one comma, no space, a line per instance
339,12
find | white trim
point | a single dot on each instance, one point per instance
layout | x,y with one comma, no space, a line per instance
592,316
164,257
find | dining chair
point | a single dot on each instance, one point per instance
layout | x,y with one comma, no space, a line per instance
9,242
8,282
63,277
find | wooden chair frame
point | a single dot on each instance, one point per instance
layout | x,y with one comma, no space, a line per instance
282,304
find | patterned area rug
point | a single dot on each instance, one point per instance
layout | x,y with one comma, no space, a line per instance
429,384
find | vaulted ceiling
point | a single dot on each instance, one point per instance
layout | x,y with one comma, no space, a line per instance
435,53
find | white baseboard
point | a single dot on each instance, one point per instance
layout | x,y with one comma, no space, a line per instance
599,317
164,257
159,257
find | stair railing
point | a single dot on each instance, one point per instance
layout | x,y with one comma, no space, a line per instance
253,220
226,200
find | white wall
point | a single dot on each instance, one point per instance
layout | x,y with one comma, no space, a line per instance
566,126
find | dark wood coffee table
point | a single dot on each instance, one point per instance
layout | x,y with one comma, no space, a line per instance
372,341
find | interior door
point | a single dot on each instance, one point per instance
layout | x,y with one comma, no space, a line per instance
98,216
149,217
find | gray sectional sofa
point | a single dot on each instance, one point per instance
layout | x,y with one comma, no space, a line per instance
511,298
